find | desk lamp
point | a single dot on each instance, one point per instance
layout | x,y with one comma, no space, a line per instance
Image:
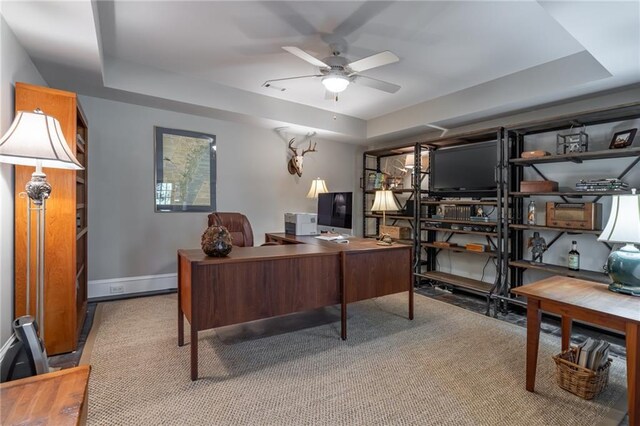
36,139
384,201
317,187
623,227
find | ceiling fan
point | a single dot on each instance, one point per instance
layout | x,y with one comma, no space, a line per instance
337,73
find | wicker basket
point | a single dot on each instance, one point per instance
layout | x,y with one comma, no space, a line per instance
578,380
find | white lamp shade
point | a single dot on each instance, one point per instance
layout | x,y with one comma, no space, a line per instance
410,161
624,220
385,202
317,187
335,83
35,137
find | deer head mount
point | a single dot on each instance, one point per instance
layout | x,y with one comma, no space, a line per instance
295,162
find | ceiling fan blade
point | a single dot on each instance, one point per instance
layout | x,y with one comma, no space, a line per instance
305,56
376,84
373,61
268,82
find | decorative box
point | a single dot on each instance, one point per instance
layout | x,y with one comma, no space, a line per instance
534,154
396,232
538,186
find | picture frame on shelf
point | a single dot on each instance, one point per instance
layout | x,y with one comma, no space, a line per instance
622,139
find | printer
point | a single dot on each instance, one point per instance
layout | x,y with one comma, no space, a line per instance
301,223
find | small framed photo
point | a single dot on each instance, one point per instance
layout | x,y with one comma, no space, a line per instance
623,139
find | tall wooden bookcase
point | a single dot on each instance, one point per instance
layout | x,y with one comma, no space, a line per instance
65,250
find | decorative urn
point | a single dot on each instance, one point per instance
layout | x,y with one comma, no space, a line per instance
217,241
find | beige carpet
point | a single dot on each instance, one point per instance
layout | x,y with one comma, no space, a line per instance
447,367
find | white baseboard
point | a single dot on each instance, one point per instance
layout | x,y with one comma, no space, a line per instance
131,285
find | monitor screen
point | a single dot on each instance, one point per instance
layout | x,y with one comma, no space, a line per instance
464,170
335,210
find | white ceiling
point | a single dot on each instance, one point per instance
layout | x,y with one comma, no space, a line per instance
216,55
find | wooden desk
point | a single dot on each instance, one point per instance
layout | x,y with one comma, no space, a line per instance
592,303
260,282
58,398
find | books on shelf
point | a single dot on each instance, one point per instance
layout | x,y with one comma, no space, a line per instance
596,185
592,354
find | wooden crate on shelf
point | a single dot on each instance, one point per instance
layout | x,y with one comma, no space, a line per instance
396,232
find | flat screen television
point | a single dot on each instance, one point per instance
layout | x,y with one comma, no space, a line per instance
335,212
464,171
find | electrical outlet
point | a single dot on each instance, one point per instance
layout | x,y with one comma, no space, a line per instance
116,289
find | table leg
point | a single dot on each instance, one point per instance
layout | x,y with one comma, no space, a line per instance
533,340
343,297
566,332
411,294
633,372
180,326
180,314
194,353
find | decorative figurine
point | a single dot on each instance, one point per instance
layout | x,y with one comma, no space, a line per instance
574,142
538,246
480,212
217,241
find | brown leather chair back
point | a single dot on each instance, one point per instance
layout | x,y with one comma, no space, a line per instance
237,224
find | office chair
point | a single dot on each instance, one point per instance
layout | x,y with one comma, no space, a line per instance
238,225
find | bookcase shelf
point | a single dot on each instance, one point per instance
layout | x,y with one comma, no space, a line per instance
66,239
600,277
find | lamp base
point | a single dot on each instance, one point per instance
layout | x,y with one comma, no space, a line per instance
623,266
623,289
385,240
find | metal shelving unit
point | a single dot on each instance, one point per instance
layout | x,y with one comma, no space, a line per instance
513,172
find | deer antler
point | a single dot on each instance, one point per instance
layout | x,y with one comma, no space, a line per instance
310,149
295,151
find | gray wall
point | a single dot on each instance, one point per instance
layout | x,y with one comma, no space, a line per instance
128,239
14,66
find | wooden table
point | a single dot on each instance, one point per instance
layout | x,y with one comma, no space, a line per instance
260,282
591,303
58,398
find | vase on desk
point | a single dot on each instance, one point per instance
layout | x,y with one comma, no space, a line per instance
217,241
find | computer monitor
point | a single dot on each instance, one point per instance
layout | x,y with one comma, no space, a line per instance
335,212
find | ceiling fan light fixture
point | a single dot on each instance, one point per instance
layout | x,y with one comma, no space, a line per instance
335,83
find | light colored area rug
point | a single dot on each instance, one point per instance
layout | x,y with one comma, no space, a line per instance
447,367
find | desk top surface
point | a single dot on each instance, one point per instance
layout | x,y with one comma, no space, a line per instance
56,398
242,254
306,246
583,294
355,243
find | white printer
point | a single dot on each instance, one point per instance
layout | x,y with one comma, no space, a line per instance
301,223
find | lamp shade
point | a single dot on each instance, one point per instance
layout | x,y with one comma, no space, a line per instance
317,187
624,221
410,161
35,137
385,202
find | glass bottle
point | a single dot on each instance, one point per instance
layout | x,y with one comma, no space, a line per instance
531,213
574,257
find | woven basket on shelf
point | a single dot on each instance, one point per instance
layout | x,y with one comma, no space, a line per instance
579,380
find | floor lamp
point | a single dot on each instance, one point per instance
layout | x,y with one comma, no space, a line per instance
36,139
